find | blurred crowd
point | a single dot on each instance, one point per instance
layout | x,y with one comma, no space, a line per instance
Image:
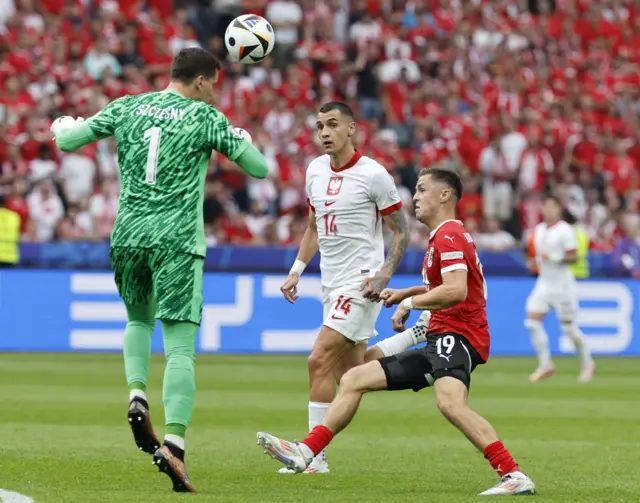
520,97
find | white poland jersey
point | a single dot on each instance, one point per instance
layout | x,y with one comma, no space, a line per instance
348,202
554,240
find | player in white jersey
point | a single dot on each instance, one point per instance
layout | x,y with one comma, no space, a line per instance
555,245
349,194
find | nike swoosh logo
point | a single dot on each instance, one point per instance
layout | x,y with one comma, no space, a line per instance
329,203
334,317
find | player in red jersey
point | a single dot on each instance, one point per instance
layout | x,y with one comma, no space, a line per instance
457,341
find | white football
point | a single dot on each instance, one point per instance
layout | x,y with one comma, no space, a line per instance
249,38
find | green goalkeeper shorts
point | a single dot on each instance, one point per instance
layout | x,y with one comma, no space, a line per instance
173,279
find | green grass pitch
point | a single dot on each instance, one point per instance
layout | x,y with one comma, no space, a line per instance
64,436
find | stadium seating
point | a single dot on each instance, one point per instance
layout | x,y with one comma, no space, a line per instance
519,97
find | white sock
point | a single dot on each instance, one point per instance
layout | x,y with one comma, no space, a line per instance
540,341
306,452
137,393
401,342
572,331
317,411
175,440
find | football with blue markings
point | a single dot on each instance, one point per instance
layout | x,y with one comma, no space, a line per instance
249,38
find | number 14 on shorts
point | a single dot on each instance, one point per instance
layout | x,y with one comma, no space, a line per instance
343,308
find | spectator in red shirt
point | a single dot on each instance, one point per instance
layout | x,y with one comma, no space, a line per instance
619,169
17,202
12,168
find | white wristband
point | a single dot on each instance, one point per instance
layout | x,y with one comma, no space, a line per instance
298,267
408,304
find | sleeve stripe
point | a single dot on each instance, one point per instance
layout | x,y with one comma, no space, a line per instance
454,267
391,208
310,205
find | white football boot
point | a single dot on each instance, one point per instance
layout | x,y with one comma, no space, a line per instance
586,374
512,484
288,453
318,465
542,373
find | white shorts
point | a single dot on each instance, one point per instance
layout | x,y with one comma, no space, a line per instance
347,312
562,299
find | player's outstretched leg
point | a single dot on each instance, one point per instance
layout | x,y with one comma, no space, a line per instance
587,365
540,341
178,396
297,456
451,396
399,343
137,354
332,355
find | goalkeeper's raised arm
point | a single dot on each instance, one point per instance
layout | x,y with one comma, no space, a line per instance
168,124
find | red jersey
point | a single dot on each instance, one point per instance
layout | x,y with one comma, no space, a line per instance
452,248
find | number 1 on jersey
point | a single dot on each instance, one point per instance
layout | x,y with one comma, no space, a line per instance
152,134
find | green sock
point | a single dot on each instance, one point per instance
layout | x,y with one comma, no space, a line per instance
137,386
137,345
176,429
179,386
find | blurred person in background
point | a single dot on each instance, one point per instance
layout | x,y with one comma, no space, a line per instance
286,17
77,175
16,201
235,229
580,268
75,225
625,257
494,238
497,189
46,210
536,165
99,59
103,209
257,222
512,143
107,159
212,204
44,167
12,168
9,235
555,246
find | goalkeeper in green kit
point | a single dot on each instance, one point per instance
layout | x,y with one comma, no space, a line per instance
165,140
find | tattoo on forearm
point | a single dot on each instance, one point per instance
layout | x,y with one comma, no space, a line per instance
400,227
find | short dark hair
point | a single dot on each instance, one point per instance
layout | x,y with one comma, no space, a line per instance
192,62
337,105
446,176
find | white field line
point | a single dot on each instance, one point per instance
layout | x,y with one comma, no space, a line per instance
11,497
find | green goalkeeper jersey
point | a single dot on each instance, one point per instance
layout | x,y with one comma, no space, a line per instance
164,147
